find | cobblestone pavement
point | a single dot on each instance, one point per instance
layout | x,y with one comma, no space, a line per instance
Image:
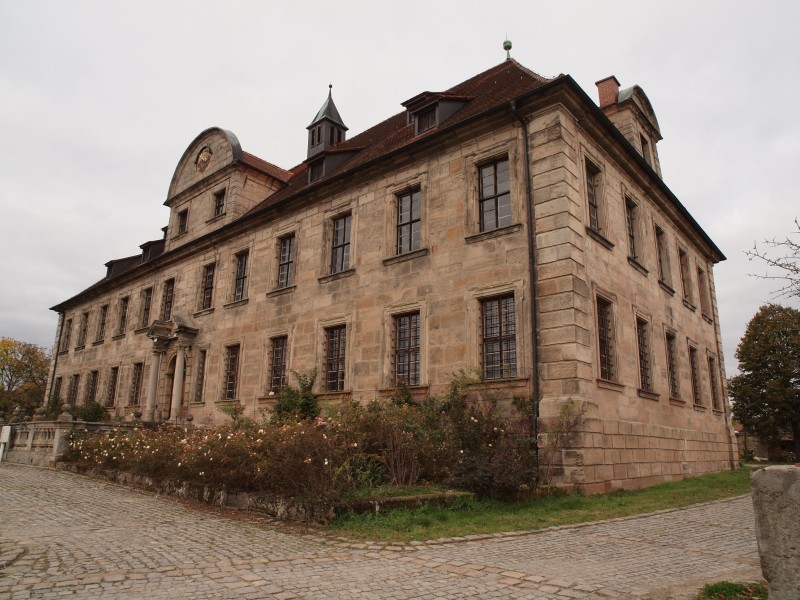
67,535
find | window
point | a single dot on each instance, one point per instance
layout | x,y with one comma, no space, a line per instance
672,366
406,349
166,299
408,222
605,338
207,292
593,196
712,377
663,256
111,392
231,372
286,262
219,203
183,221
84,329
685,278
630,220
335,346
426,120
136,384
643,345
499,337
66,333
201,377
147,302
101,324
277,367
695,380
340,249
702,284
56,393
123,315
72,392
91,388
495,195
645,150
315,171
240,283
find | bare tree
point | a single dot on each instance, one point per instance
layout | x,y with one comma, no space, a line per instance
783,255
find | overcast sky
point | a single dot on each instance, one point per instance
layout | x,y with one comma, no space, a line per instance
99,100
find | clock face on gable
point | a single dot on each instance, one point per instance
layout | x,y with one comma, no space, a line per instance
203,159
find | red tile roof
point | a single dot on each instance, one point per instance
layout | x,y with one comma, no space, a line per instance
267,167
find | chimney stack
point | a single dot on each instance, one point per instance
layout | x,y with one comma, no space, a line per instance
608,90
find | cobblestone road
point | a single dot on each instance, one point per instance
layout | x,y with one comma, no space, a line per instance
62,535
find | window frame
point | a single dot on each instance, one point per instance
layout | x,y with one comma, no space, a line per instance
716,398
703,292
57,385
147,307
90,393
135,391
686,277
66,335
287,253
606,339
406,349
644,354
200,378
230,372
278,362
183,222
100,333
341,245
662,257
631,227
671,349
494,198
502,343
594,190
335,358
72,389
241,275
220,197
112,386
83,330
411,225
207,286
694,375
167,299
122,321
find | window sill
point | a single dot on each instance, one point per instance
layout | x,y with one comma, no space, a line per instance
487,235
63,352
500,382
343,396
81,347
677,402
335,276
236,303
98,343
196,404
707,319
700,408
180,235
203,311
281,291
119,336
610,385
600,238
665,286
231,402
689,305
649,395
215,219
141,330
404,257
416,391
638,266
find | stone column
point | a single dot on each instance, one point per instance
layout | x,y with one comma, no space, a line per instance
152,387
177,383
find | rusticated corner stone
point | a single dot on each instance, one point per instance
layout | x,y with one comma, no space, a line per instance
776,500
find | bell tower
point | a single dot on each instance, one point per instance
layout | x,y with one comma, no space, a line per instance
327,129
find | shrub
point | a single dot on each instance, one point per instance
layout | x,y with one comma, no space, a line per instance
297,403
93,413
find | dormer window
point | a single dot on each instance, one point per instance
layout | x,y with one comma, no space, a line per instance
426,120
183,221
315,171
645,150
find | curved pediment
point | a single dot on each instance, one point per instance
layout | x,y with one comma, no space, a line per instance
637,95
210,151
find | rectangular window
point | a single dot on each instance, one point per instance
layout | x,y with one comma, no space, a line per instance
702,284
643,343
136,384
406,349
91,388
340,248
123,315
277,368
605,338
593,195
315,171
663,256
111,392
335,346
147,303
286,262
72,392
207,293
672,366
66,333
219,203
231,373
84,329
426,120
686,280
201,377
240,283
694,374
630,221
645,149
495,195
712,377
56,393
183,221
166,299
101,324
409,221
499,337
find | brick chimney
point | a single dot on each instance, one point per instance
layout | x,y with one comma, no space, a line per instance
608,90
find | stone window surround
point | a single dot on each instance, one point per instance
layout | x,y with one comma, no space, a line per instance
264,381
611,298
387,343
329,216
393,193
669,331
508,150
321,352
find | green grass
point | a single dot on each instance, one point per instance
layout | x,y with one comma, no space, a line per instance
726,590
468,517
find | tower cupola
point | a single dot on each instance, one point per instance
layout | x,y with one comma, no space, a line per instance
327,129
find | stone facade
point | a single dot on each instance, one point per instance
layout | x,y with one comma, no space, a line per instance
400,255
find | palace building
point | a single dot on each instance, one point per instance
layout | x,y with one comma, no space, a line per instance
509,224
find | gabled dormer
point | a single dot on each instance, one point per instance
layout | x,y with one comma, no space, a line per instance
430,109
327,129
630,110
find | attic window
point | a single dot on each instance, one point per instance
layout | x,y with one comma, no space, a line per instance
645,149
315,171
426,119
183,221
